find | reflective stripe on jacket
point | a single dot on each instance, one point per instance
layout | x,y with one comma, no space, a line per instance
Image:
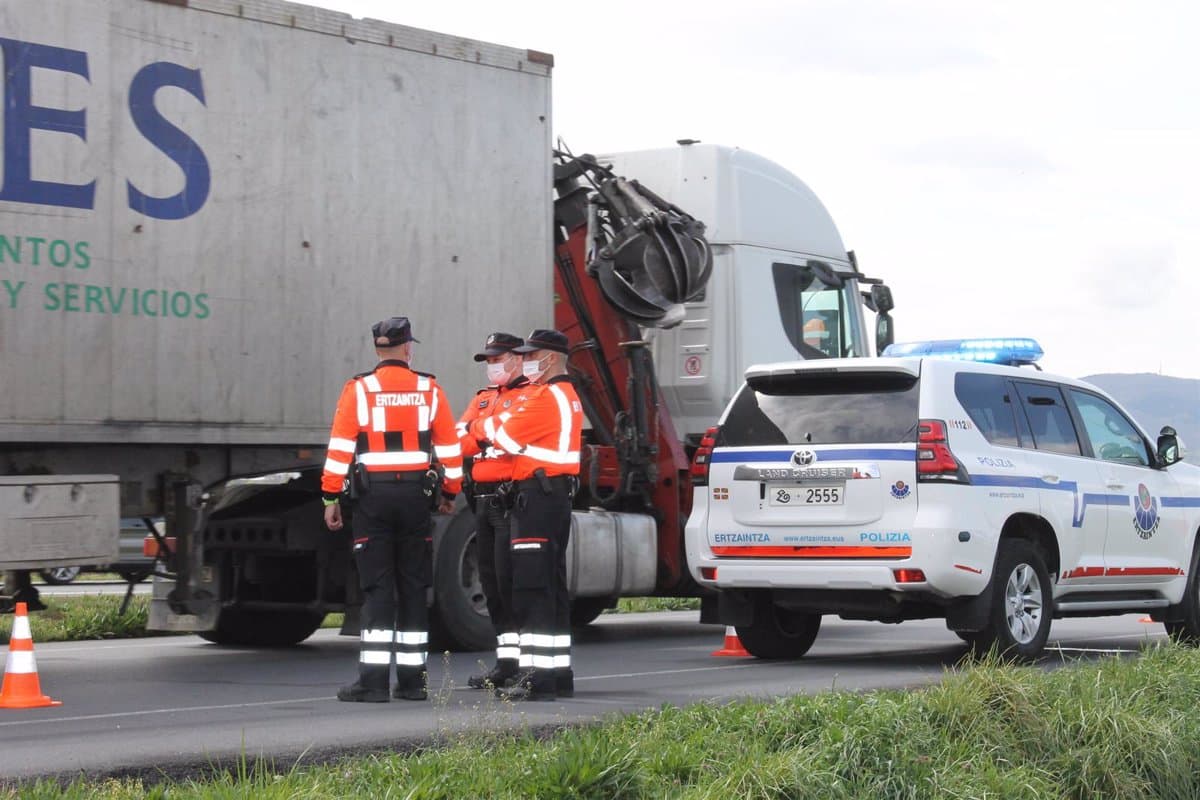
545,432
489,408
392,420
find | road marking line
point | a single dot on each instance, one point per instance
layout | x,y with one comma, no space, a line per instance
116,714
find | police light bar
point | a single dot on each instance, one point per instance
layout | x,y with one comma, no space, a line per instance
1012,352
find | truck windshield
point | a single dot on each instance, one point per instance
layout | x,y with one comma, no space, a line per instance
819,407
816,306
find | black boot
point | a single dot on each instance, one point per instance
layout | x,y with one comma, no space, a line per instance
358,693
410,686
500,675
530,685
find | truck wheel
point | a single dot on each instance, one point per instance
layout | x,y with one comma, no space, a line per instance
778,633
59,576
584,610
1021,605
263,628
1186,630
459,618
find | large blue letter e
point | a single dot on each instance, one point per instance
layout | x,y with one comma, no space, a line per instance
22,117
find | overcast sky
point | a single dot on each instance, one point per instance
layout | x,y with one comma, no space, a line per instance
1011,168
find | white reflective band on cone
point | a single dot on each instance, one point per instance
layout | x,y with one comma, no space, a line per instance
20,661
410,659
375,657
376,636
20,629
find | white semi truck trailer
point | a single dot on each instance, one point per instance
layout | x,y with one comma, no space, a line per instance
205,204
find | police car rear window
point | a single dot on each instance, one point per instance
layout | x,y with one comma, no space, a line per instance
823,408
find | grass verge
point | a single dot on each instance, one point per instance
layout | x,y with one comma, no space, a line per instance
633,605
1117,728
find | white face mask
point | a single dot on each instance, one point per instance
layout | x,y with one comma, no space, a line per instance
532,369
497,373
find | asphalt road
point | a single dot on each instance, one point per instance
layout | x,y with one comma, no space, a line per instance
178,704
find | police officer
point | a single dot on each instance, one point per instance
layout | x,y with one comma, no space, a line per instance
544,436
389,425
490,469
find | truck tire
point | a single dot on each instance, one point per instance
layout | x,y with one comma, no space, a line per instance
778,633
1021,605
459,618
584,610
242,626
1186,629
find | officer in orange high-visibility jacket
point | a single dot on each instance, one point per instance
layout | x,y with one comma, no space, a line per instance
390,425
490,469
544,436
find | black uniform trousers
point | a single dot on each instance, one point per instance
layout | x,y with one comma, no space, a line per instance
393,553
492,536
541,605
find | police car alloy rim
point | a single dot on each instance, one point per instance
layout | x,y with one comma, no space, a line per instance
1023,604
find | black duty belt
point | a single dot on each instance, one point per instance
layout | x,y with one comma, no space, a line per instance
411,476
555,481
486,489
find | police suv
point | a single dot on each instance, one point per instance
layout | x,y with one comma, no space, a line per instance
947,482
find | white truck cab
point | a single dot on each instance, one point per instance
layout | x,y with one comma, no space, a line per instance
783,285
945,482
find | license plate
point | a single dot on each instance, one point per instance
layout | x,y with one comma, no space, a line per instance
805,495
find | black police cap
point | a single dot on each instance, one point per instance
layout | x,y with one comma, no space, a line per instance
498,344
392,332
544,339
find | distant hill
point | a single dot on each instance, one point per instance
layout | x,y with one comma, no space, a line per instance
1157,400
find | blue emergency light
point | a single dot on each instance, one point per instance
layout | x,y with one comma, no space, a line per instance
1013,352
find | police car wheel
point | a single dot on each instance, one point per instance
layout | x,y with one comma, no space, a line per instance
1185,628
778,633
1019,619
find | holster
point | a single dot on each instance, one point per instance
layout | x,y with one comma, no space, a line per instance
360,481
432,484
543,481
506,495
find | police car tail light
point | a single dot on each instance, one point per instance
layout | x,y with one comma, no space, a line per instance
935,462
699,470
909,575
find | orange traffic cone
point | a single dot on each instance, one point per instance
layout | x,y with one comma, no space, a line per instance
21,686
733,645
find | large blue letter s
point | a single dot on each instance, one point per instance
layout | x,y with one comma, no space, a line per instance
22,117
177,145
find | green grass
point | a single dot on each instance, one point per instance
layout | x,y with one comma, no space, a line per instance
1117,728
633,605
76,617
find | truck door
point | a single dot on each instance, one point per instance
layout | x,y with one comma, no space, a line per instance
1069,484
1146,541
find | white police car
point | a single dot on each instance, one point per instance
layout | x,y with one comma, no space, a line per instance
943,483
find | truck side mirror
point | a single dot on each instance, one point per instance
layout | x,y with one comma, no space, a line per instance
885,334
1170,449
881,298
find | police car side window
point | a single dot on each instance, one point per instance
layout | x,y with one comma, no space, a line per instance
1113,436
988,404
1049,420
